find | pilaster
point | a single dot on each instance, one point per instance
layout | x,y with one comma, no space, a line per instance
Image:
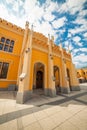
22,50
51,91
75,83
24,79
65,84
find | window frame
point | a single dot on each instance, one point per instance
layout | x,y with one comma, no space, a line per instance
2,68
9,45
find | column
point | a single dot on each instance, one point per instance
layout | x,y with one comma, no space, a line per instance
24,79
65,84
75,83
22,50
51,91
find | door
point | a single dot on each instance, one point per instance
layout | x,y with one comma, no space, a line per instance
39,79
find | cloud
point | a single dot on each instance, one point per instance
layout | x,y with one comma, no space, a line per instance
59,23
66,21
80,60
85,35
77,39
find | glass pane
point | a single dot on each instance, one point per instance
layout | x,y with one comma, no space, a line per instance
7,41
0,67
2,39
5,48
10,49
12,43
4,70
1,46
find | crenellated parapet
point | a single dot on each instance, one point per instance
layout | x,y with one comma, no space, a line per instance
66,54
10,26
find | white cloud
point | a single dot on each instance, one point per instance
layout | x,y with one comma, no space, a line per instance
83,49
48,17
77,39
10,1
74,6
85,35
80,60
59,23
15,6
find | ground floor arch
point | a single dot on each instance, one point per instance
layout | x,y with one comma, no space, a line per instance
39,76
57,79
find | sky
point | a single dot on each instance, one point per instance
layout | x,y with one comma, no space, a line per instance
66,20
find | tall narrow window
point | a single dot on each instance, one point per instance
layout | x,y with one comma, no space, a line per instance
7,41
1,46
3,69
0,67
2,39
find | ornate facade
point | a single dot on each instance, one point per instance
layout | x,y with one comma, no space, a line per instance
32,61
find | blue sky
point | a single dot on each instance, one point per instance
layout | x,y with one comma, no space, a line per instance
66,20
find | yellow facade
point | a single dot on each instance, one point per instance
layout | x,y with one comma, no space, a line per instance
82,74
34,63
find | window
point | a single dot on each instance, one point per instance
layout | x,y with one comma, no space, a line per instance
6,45
1,46
3,70
12,43
7,41
10,49
6,48
2,39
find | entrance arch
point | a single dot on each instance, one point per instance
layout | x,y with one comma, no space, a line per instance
68,78
57,79
38,76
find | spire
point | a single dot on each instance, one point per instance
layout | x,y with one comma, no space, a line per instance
27,24
48,38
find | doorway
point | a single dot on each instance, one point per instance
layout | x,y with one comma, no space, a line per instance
38,76
39,80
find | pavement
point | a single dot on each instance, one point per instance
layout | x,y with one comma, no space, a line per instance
64,112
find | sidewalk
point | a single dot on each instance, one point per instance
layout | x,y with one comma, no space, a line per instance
64,112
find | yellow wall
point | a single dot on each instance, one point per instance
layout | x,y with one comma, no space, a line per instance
38,56
11,57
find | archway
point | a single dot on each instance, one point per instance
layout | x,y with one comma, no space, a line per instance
38,76
57,79
68,78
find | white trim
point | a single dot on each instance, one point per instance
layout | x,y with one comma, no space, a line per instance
1,51
6,80
40,48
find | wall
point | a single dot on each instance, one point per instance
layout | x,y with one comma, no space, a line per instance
12,32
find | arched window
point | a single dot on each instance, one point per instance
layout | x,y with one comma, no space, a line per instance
3,70
2,39
12,43
7,41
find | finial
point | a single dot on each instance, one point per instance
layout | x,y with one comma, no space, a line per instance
32,27
52,37
27,24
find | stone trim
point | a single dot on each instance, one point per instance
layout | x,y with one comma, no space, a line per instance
65,90
50,92
22,97
75,88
